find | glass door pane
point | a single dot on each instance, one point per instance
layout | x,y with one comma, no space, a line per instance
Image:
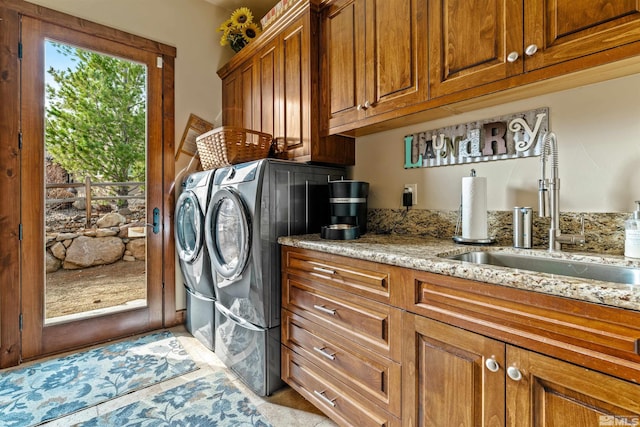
95,183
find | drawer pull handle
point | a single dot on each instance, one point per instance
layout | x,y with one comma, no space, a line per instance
324,309
324,398
324,270
492,365
323,352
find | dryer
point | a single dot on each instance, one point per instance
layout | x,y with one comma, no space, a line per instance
193,255
253,204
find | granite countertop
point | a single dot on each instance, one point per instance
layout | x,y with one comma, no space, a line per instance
424,253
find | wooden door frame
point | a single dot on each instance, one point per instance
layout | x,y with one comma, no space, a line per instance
11,177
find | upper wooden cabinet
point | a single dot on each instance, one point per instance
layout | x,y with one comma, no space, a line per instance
272,86
373,57
565,29
469,42
472,43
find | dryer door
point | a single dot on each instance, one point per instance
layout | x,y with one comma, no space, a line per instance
228,232
188,227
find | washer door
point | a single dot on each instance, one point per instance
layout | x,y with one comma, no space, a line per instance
188,226
228,234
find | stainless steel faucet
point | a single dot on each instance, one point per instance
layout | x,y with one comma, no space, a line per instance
549,197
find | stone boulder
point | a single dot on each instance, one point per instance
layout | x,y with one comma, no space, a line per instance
111,220
105,232
52,263
87,252
138,248
80,204
59,250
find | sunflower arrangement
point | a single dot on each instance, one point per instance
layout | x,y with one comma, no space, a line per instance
239,30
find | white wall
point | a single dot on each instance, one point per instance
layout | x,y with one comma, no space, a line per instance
598,130
188,25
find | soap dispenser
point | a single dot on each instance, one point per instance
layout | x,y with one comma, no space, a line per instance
632,234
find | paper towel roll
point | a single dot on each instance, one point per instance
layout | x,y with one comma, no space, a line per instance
474,208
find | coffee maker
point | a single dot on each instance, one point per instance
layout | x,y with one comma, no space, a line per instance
348,208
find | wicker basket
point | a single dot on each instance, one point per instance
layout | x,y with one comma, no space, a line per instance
229,145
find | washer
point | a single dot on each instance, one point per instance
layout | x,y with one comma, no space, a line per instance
193,255
251,206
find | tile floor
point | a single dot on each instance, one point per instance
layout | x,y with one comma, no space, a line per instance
285,408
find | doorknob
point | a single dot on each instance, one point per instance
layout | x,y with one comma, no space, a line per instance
156,221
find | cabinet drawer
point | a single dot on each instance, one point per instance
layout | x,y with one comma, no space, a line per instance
360,277
376,377
330,395
368,323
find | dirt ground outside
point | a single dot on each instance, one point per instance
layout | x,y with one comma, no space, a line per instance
77,291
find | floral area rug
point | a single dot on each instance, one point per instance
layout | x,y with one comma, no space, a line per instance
208,401
51,389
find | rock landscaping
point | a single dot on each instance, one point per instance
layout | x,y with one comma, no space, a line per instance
114,237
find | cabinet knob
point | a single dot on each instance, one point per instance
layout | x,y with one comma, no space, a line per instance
531,49
364,106
513,57
492,365
514,373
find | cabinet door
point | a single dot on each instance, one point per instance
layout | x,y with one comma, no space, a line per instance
343,29
249,89
296,87
232,111
470,41
396,55
446,378
568,29
555,393
267,90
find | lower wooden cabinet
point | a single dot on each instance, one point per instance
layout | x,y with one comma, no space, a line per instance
542,391
341,339
375,377
375,345
455,377
446,379
332,396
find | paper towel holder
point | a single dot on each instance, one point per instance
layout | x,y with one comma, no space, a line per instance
464,240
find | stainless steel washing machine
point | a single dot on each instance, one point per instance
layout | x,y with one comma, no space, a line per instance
251,206
193,255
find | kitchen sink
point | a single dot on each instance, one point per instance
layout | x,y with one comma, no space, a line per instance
563,267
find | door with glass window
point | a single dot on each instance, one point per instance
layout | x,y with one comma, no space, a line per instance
91,189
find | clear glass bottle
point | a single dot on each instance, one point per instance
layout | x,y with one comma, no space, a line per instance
632,234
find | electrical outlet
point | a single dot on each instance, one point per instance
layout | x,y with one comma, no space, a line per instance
414,192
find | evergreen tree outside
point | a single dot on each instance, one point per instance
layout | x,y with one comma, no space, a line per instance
96,117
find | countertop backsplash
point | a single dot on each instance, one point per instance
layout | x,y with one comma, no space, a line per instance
604,231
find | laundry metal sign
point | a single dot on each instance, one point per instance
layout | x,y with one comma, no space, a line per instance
506,137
